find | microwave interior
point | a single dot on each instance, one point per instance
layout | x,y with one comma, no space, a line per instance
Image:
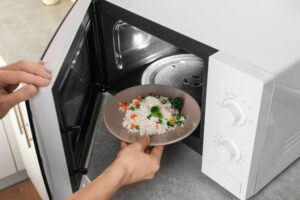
114,50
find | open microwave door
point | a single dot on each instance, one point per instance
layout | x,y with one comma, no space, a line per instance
59,113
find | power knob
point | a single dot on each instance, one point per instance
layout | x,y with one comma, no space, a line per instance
232,112
228,151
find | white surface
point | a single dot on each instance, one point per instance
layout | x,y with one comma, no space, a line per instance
282,143
263,33
29,154
10,127
43,108
7,165
229,78
228,150
226,180
233,112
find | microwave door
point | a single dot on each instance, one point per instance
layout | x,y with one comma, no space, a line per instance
45,121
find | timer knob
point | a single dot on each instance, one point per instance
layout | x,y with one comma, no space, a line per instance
228,151
232,112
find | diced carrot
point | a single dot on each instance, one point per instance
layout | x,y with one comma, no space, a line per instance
136,102
133,125
125,107
123,104
133,116
138,98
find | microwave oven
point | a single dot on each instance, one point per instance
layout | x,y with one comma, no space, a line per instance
245,80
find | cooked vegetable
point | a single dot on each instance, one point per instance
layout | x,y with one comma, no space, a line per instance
131,108
149,116
137,106
133,116
164,101
160,116
136,102
133,125
160,121
179,123
124,106
142,98
154,109
170,123
176,103
137,127
178,116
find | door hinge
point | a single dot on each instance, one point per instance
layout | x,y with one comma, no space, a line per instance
101,87
81,171
71,128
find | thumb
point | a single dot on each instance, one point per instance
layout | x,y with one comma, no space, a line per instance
143,142
22,94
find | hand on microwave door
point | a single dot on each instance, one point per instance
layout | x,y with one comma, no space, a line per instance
34,75
134,163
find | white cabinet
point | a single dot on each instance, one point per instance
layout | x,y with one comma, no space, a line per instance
18,123
7,165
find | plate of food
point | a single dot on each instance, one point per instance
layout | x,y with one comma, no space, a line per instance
166,114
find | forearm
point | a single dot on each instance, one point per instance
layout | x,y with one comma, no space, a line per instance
105,186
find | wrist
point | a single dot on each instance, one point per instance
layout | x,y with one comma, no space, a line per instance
121,171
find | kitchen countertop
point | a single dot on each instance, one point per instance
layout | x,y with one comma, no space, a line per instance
180,175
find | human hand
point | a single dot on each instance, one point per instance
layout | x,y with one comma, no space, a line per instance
138,161
135,162
34,75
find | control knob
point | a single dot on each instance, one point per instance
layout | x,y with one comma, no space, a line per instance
228,151
232,112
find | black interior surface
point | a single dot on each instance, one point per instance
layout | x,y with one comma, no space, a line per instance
118,80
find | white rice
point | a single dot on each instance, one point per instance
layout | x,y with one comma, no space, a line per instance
150,126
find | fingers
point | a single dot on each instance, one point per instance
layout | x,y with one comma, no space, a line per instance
16,77
156,152
123,144
33,68
11,88
143,142
22,94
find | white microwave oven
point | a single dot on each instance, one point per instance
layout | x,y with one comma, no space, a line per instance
247,83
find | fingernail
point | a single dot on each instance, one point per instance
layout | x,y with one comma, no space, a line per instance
47,81
48,76
48,70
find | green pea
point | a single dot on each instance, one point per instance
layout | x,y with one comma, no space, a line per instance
149,116
137,106
160,121
131,108
137,127
178,116
179,123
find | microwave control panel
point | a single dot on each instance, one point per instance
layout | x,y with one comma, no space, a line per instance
235,91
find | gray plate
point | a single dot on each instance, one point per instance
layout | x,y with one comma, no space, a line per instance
113,117
183,71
